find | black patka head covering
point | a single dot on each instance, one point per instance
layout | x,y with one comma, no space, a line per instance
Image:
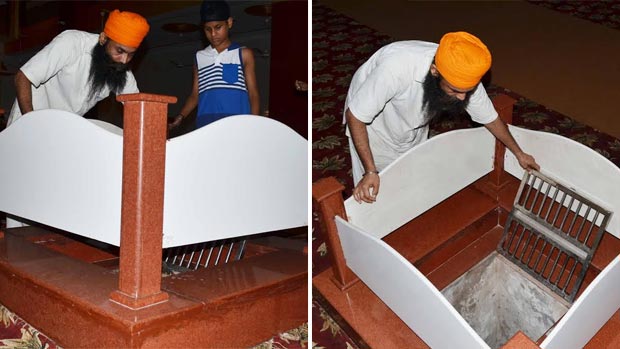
214,11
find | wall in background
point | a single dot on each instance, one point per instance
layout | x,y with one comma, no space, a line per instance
165,64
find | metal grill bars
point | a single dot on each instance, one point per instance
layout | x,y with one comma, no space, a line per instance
552,233
555,205
205,254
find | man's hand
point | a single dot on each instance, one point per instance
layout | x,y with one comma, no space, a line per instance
499,129
367,189
527,161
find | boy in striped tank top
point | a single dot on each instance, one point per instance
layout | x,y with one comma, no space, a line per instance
224,79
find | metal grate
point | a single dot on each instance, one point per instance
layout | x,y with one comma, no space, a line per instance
552,233
205,254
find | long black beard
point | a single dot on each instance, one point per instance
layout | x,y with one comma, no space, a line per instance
105,72
437,104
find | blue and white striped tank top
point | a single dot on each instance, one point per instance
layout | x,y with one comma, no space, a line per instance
221,84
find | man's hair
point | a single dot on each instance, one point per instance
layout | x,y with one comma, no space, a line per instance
436,103
105,72
214,11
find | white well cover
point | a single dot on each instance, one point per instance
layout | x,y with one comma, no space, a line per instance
64,171
423,177
241,175
405,290
589,313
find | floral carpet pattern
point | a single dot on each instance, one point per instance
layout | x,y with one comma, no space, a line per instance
326,332
294,339
604,12
339,46
16,333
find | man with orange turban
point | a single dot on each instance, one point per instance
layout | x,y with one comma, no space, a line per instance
78,69
402,88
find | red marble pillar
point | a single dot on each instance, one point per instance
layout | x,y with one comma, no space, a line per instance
327,194
144,155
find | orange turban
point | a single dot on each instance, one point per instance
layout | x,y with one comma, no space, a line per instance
126,28
462,59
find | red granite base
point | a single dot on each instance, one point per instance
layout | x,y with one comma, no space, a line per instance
234,305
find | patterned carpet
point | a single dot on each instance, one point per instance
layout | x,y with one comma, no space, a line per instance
604,12
16,333
339,46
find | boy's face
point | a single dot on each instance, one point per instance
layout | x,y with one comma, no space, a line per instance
217,31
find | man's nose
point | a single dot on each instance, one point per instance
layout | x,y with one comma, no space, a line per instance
461,96
124,58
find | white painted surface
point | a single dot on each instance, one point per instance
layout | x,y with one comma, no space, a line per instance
107,126
589,313
423,177
575,165
405,290
241,175
61,170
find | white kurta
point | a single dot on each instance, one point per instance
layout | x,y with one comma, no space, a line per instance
59,74
386,93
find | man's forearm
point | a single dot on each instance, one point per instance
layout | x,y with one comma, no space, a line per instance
360,140
23,92
499,129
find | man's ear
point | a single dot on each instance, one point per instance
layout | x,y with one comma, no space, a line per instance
434,70
229,21
102,38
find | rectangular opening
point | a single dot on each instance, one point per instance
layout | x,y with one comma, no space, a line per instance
529,283
498,299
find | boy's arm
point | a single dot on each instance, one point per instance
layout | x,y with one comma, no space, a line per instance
190,103
250,80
